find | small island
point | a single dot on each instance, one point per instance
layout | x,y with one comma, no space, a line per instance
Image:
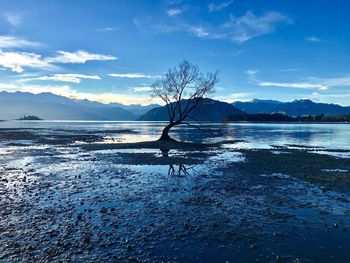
29,118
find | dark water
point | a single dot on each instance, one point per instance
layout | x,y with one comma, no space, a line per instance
59,202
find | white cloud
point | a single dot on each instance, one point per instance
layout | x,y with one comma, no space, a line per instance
296,85
11,41
339,81
312,39
75,78
78,57
8,86
218,7
17,61
141,89
174,11
241,29
132,75
13,19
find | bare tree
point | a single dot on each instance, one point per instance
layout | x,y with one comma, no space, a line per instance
182,89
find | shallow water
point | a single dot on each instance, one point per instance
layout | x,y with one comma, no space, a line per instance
257,135
59,202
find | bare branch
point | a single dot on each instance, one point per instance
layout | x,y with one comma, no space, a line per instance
182,89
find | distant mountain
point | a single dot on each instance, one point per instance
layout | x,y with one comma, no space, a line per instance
136,109
208,110
49,107
294,108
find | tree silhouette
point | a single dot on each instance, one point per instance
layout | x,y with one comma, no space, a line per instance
182,89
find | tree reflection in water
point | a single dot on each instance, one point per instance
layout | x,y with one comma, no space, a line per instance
180,172
176,170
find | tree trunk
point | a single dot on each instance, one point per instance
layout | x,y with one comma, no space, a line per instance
165,133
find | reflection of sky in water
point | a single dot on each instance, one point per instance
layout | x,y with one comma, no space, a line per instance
335,154
258,135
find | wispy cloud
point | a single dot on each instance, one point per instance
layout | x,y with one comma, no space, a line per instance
218,7
141,89
174,11
321,84
236,29
338,81
290,69
251,74
74,78
174,2
295,85
18,61
132,75
108,29
239,96
78,57
310,83
198,31
13,19
15,42
244,28
338,98
312,39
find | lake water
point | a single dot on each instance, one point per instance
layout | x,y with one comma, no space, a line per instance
266,193
257,135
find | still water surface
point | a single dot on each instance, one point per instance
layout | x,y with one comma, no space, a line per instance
258,135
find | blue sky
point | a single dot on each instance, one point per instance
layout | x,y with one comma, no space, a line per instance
114,50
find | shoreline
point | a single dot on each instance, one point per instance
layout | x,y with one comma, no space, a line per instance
203,122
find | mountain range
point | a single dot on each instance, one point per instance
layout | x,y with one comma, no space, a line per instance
293,108
48,106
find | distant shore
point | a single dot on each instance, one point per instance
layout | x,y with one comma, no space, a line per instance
204,122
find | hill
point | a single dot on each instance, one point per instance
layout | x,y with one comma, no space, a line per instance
29,118
208,110
294,108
